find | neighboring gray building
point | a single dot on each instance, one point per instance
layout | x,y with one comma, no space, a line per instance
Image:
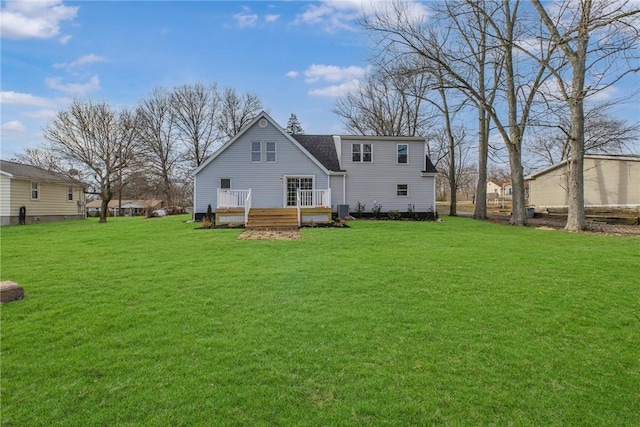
315,173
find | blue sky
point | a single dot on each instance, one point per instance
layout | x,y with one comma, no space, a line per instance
296,56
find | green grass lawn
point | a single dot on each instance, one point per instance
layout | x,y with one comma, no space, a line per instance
153,322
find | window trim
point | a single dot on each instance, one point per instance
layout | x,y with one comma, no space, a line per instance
259,152
361,152
398,162
274,152
37,190
399,190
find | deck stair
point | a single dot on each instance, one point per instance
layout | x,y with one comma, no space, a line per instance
272,218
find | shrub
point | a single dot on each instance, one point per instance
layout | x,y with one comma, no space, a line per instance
360,207
209,215
394,215
432,215
377,210
411,211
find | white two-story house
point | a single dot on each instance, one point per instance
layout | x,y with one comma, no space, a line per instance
263,170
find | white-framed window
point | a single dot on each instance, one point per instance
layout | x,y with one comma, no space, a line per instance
225,183
35,191
69,194
402,154
402,190
256,151
271,152
362,153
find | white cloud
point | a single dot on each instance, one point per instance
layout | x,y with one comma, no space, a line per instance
271,18
292,74
333,73
40,114
83,60
65,39
17,98
24,19
340,80
13,126
74,88
335,91
343,14
246,18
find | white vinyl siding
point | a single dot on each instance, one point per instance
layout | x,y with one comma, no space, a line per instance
5,196
378,182
266,180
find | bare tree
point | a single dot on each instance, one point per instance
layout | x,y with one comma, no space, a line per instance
603,134
98,137
599,40
388,103
157,134
454,163
463,45
44,158
196,109
237,111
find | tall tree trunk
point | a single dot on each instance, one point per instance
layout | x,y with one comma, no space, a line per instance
480,211
575,213
105,198
518,211
453,185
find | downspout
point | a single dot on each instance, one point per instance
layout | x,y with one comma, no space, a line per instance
344,189
195,179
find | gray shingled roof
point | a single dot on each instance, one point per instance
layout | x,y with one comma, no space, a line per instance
34,173
322,148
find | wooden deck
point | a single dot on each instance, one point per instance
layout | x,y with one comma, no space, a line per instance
280,218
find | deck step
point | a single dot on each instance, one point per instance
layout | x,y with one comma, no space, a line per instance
272,218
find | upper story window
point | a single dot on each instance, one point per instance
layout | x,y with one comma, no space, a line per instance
35,191
256,151
271,152
361,153
69,194
403,154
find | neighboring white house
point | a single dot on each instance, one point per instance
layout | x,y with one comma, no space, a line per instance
499,190
265,167
40,195
128,207
609,182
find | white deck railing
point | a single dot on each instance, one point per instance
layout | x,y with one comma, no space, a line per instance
232,198
247,207
314,198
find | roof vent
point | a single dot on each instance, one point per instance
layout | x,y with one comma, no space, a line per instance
262,123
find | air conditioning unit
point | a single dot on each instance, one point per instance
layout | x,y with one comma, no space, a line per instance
343,211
